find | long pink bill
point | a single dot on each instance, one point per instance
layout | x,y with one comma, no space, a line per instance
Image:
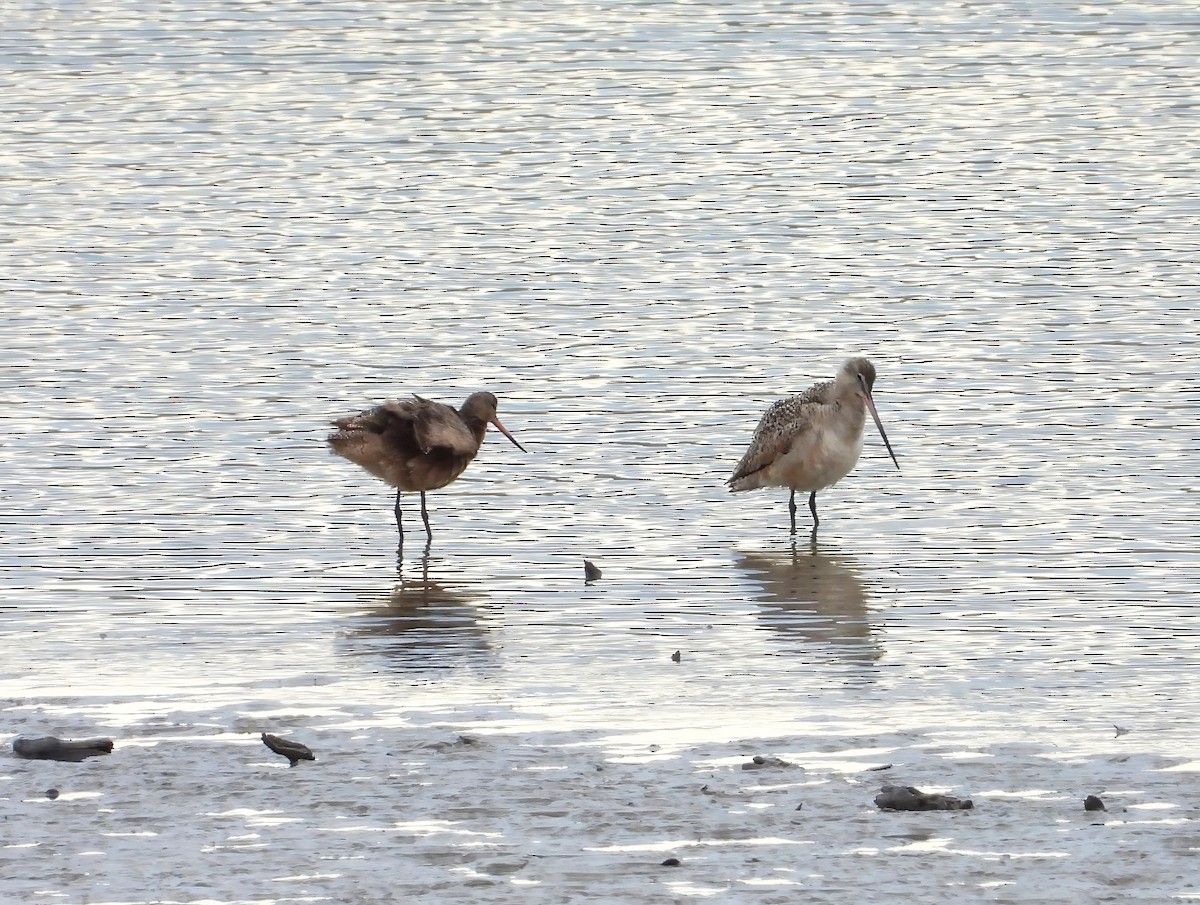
882,433
500,427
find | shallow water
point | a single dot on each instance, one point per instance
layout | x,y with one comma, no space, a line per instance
637,224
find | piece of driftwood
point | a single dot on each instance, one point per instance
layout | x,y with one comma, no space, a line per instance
293,751
48,747
906,798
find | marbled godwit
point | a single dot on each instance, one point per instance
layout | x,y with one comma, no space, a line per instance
811,441
417,445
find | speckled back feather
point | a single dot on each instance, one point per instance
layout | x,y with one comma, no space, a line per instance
779,427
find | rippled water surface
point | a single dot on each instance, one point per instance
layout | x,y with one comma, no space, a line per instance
638,224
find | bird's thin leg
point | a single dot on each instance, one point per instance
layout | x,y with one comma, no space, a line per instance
812,505
792,509
425,518
399,521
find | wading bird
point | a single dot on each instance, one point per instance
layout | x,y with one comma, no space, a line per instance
811,441
417,445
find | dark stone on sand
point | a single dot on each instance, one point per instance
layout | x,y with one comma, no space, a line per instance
590,572
1093,803
462,741
47,747
671,862
907,798
761,762
293,751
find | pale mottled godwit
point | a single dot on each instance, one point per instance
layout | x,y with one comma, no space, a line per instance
811,441
417,445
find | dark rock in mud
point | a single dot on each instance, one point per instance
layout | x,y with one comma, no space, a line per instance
763,762
1093,803
907,798
48,747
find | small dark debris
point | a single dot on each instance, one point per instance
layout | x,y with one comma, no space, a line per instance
907,798
293,751
462,741
52,794
1093,803
671,862
48,747
760,762
590,572
878,769
800,806
677,656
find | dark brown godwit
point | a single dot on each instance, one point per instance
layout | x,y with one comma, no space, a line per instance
811,441
417,445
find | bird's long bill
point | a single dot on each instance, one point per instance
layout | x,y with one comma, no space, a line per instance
879,424
500,427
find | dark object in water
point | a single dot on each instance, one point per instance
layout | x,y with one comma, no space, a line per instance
293,751
677,656
1093,803
590,572
907,798
671,862
47,747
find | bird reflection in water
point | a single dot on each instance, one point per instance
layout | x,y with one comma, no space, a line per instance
815,598
422,624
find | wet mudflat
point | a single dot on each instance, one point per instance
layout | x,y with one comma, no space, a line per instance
638,228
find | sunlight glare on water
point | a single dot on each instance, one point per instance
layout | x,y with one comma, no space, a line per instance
638,225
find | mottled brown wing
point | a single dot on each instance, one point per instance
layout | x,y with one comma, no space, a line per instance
777,430
438,426
373,421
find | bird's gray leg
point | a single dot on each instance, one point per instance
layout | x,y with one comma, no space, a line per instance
425,518
812,505
792,509
399,523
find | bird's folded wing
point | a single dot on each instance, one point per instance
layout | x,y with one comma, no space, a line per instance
374,420
438,426
778,429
